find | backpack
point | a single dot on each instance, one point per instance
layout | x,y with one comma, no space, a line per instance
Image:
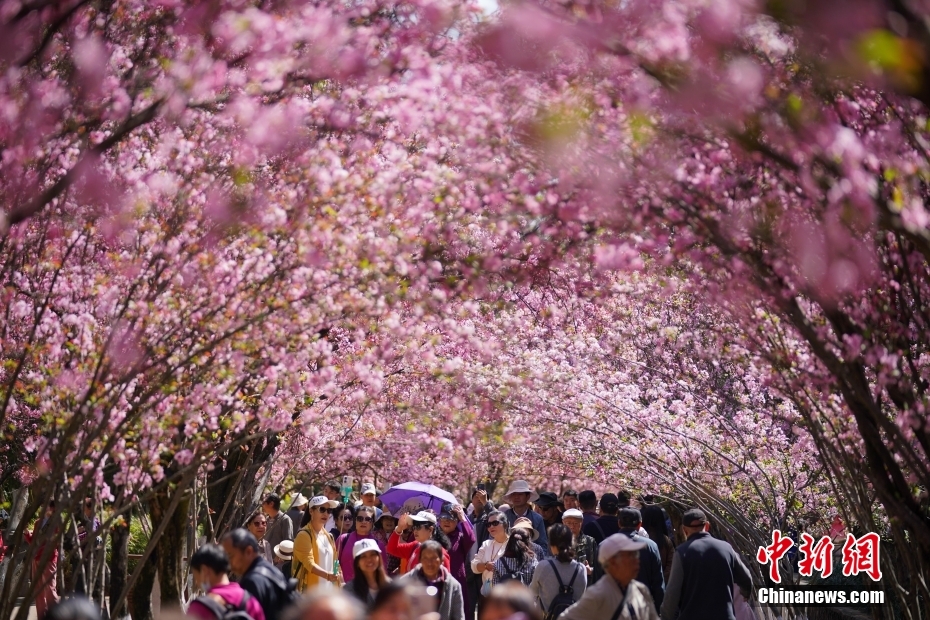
228,611
505,574
287,586
565,597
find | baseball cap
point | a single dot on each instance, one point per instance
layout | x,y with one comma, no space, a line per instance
363,546
609,500
572,512
322,500
368,488
424,517
629,517
446,512
693,517
612,545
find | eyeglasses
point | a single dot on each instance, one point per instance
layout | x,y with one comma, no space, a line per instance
364,519
494,523
417,526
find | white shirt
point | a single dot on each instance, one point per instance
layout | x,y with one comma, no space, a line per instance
490,551
325,558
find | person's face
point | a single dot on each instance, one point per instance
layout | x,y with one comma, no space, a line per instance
268,509
258,526
495,609
570,501
448,525
624,567
363,523
331,494
369,499
548,513
239,560
422,531
344,520
574,524
398,607
496,528
369,561
430,562
318,516
388,523
519,500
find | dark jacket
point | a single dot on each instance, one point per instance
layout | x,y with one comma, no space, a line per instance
700,586
266,583
538,524
605,526
650,567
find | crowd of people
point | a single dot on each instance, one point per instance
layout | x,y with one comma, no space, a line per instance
538,556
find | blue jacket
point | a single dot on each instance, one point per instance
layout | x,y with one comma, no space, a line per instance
650,567
538,524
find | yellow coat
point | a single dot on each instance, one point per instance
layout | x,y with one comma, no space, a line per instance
305,553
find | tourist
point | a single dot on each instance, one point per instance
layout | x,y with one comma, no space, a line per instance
607,524
549,508
424,528
327,605
279,526
518,561
587,502
584,546
257,524
345,544
258,576
296,511
510,601
490,551
650,562
314,547
617,594
570,499
210,569
560,571
439,582
704,571
525,524
368,570
456,527
369,495
344,518
519,496
284,551
655,526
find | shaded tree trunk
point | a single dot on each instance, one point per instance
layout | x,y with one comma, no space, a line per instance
119,564
171,546
140,598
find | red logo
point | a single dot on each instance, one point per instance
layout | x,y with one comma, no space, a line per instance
860,555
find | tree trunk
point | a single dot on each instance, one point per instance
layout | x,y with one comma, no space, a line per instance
119,564
140,599
171,545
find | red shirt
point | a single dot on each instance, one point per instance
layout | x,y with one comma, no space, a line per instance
410,552
232,594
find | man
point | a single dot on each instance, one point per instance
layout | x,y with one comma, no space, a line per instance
296,512
623,498
519,496
704,569
607,524
548,506
329,605
481,508
210,569
333,492
584,546
587,501
650,561
280,526
369,495
570,499
259,577
618,596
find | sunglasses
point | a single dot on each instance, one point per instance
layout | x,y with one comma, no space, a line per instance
259,524
346,517
324,510
364,519
494,523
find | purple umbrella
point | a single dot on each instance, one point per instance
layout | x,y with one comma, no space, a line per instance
416,496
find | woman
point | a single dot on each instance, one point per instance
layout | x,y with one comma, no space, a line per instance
344,519
424,529
439,582
455,525
384,525
258,525
345,544
654,524
491,549
314,547
518,561
507,600
368,568
562,570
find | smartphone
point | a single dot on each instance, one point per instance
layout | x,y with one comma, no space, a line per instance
481,487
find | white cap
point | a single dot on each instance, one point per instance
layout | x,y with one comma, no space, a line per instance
573,512
368,488
299,502
322,500
612,545
363,546
424,517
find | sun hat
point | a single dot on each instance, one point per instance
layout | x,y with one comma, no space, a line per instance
693,518
521,486
285,549
525,524
612,545
424,517
383,513
321,500
364,546
573,513
299,502
368,489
